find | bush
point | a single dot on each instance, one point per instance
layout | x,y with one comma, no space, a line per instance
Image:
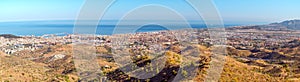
173,58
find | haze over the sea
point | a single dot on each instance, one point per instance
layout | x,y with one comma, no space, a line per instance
39,28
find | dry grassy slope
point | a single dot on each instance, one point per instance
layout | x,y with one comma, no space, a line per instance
14,70
235,71
11,68
239,72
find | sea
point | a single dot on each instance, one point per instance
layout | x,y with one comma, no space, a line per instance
64,27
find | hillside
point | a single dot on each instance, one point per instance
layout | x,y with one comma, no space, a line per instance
55,63
51,67
15,69
289,24
281,26
9,36
235,71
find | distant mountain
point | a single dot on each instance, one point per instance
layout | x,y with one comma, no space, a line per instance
289,24
9,36
285,25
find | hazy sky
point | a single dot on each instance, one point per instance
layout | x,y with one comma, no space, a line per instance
232,11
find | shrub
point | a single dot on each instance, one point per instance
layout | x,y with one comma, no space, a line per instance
173,58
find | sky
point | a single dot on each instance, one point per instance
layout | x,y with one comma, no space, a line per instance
231,11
